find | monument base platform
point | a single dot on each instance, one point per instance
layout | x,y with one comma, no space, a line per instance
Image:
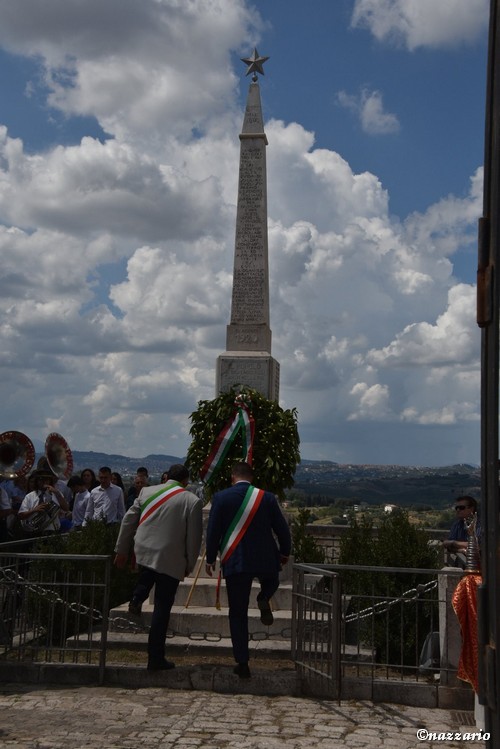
254,369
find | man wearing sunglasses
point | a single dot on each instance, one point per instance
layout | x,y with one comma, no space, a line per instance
456,543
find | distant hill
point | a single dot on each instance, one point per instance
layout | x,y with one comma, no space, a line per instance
374,484
399,485
155,464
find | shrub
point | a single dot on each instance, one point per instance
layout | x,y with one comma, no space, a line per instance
398,631
95,539
305,548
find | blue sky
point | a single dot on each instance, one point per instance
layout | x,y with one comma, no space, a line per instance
118,168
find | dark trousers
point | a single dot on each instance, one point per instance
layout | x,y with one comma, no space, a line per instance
238,596
145,582
165,590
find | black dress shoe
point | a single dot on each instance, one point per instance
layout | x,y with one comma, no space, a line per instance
160,665
242,671
266,615
135,608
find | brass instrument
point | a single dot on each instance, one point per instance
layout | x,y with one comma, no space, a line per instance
17,454
56,463
473,554
58,455
39,521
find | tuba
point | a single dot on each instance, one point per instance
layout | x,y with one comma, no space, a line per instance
57,461
17,454
58,455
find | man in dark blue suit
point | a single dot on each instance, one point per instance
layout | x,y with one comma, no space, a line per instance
242,526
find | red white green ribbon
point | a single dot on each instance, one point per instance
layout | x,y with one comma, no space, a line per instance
241,422
155,501
241,521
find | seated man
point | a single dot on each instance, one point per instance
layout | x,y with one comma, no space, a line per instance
456,543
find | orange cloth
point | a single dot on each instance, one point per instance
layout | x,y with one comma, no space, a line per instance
464,601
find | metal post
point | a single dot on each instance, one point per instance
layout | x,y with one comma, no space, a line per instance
488,320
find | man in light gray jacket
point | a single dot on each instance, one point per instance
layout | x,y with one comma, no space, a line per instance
165,524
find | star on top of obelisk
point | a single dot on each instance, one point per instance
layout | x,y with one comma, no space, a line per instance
255,64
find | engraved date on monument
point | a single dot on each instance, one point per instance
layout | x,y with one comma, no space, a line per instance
246,337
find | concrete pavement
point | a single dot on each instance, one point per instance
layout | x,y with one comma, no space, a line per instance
89,717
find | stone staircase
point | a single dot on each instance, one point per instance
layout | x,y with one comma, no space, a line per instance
196,623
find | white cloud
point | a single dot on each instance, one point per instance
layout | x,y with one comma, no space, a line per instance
368,106
452,339
423,23
142,72
372,401
117,256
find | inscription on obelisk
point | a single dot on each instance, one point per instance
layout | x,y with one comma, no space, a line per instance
247,360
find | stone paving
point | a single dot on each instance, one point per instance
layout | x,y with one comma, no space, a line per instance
35,717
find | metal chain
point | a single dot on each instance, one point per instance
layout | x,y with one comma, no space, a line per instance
384,606
12,577
125,624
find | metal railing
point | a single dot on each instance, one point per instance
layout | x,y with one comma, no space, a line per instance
329,537
54,608
356,626
316,629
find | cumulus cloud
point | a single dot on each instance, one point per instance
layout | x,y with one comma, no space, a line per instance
368,106
117,255
422,23
161,68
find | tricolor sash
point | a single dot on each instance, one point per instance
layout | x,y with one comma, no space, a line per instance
241,521
158,499
241,422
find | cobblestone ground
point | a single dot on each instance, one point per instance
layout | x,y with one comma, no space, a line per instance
112,718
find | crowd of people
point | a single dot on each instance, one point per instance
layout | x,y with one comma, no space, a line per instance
42,502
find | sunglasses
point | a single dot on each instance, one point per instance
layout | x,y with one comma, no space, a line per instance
461,507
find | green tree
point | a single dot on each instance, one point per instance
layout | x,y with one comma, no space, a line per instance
305,548
398,631
275,448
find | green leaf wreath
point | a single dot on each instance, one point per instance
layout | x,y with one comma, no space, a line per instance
275,447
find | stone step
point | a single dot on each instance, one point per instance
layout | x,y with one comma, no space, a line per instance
199,570
203,622
275,648
204,594
271,648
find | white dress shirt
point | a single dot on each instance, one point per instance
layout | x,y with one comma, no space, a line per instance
105,504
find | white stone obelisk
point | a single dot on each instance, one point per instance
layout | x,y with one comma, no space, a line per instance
247,360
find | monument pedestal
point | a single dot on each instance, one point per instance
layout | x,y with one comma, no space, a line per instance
253,369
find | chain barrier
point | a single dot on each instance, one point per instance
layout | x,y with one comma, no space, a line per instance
10,576
124,624
381,608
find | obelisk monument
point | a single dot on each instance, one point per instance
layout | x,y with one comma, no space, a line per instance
247,360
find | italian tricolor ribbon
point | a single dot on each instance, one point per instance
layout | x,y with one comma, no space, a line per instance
158,499
241,422
240,522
